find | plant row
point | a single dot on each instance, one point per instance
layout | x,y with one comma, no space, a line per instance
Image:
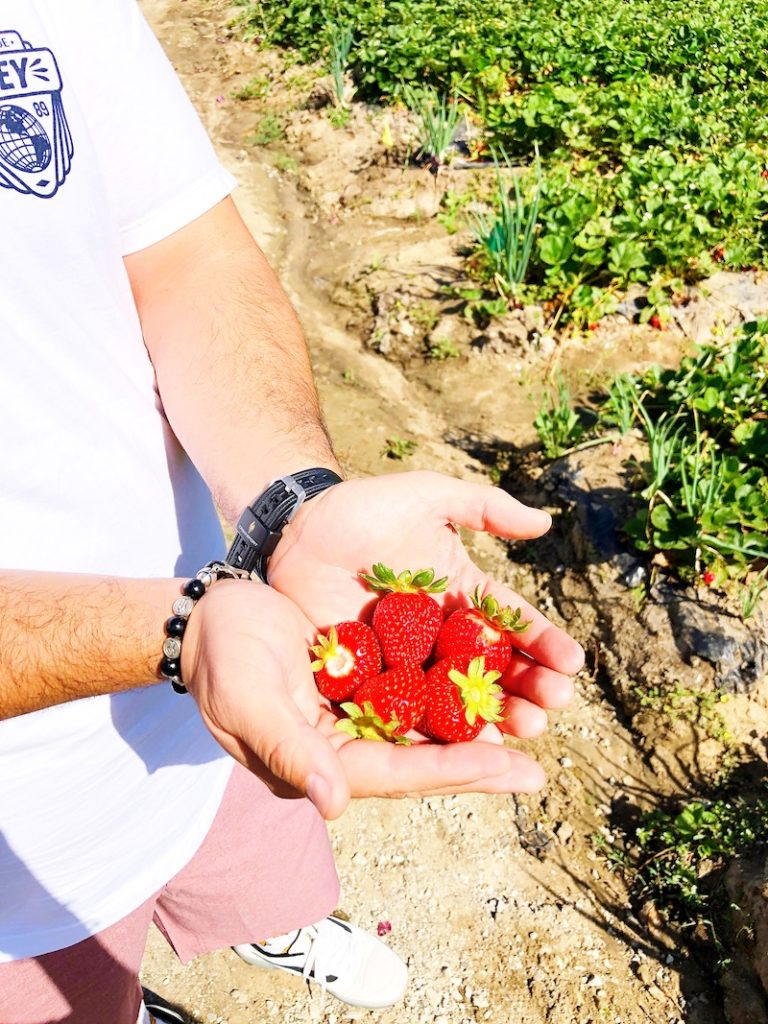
650,119
702,491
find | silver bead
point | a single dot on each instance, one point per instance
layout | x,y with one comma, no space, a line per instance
183,606
171,647
205,577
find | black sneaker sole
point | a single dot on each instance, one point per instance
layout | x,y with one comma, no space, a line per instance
161,1009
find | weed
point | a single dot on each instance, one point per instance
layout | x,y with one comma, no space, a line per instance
254,89
506,238
557,425
348,377
443,348
452,208
341,37
751,595
682,850
438,117
302,81
271,128
339,117
285,162
398,448
424,315
619,410
698,707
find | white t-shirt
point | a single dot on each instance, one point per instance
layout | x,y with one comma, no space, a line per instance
101,154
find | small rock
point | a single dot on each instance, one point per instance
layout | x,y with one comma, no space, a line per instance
564,831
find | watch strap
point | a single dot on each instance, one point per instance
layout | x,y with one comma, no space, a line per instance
261,524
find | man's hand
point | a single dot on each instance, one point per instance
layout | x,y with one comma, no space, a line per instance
407,521
246,664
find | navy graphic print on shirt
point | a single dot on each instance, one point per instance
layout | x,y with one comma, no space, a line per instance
35,142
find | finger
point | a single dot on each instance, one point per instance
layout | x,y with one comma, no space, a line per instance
483,507
523,719
525,678
383,769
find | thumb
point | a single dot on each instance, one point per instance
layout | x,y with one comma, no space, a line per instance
294,751
483,507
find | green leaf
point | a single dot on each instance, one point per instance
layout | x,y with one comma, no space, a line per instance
555,250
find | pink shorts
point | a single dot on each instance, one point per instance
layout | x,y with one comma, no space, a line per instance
264,868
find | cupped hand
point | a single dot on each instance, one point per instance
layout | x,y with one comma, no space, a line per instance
407,521
245,662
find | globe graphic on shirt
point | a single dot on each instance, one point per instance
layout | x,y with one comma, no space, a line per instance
23,142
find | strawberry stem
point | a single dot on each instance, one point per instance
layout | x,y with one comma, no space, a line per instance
506,619
383,578
478,691
364,724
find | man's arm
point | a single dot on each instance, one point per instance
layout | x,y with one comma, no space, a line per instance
64,636
230,359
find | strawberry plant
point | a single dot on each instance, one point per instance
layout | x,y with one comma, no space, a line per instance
703,487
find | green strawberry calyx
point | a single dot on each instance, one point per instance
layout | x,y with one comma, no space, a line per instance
383,578
478,691
506,619
364,724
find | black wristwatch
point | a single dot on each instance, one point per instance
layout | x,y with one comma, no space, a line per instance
261,524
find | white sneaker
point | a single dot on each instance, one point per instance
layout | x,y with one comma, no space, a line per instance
344,960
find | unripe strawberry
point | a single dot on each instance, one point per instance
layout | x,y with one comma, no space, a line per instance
406,620
460,703
345,658
484,630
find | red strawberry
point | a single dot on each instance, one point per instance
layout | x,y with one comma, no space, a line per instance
484,629
655,321
459,704
406,620
399,693
348,656
388,705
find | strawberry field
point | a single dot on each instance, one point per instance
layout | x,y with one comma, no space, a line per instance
650,118
527,242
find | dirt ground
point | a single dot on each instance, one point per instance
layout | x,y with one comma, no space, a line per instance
501,906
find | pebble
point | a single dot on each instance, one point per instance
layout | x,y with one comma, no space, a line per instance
564,831
566,762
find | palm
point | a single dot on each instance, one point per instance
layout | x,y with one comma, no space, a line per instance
405,521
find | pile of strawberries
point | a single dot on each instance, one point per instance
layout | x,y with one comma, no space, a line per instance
409,669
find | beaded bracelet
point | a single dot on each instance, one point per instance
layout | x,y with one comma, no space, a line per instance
175,627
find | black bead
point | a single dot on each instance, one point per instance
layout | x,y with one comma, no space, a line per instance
179,687
176,626
170,667
194,589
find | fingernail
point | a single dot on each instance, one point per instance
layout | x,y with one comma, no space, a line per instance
319,792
